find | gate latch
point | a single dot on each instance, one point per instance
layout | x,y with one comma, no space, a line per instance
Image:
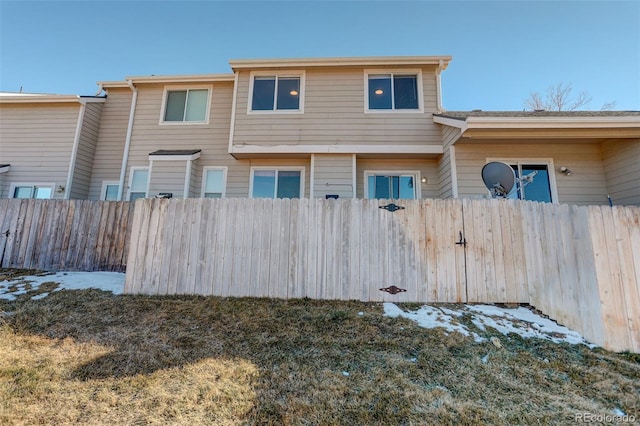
393,289
462,241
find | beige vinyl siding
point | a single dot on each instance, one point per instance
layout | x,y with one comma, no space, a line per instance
167,176
585,186
107,159
212,138
333,174
37,140
622,170
86,151
334,113
427,168
449,135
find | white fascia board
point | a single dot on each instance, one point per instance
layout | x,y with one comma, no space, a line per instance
30,99
337,149
451,122
195,78
190,157
550,122
440,61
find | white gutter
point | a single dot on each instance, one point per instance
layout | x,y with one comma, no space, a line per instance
127,143
74,151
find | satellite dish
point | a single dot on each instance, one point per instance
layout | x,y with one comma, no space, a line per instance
499,178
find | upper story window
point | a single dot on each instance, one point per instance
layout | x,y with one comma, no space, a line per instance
397,91
281,93
186,106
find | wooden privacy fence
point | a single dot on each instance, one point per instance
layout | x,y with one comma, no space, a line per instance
579,265
64,234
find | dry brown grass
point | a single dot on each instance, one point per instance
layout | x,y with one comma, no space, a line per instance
88,357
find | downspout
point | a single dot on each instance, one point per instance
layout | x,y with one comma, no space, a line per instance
127,143
439,87
74,150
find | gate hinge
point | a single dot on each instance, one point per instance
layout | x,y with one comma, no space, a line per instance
462,241
393,289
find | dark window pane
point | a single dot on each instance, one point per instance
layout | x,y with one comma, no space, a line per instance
264,183
288,184
175,106
383,189
405,89
540,188
136,195
380,92
288,93
263,93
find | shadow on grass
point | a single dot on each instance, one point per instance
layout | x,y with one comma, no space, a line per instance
337,362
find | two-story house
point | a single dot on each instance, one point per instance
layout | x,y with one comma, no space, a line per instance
338,127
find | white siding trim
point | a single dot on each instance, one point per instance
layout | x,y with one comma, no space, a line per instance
187,179
454,171
74,151
127,142
353,176
234,101
312,176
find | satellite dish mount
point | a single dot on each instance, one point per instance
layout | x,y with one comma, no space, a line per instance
500,179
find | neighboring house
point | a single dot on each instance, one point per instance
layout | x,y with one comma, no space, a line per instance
47,144
346,127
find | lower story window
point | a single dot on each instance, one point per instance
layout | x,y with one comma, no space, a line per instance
138,183
213,182
539,188
32,191
385,185
109,191
276,183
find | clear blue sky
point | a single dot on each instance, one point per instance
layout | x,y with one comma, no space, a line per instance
502,50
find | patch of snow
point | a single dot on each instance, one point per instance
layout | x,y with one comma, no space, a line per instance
618,412
105,281
521,321
345,373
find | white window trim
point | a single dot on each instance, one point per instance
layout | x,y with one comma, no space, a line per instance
415,173
133,169
163,108
278,74
103,191
12,188
224,179
418,74
535,161
300,169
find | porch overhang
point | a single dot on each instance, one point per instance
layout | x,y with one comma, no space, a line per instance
4,168
280,151
534,125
